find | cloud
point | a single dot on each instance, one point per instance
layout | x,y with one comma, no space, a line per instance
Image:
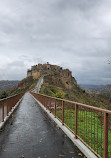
73,34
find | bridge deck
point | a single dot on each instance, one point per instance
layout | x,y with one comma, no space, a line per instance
30,133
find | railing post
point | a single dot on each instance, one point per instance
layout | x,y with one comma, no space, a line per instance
55,109
62,112
75,121
3,112
46,104
44,101
105,146
50,105
7,108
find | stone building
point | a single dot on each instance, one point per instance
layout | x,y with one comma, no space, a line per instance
37,70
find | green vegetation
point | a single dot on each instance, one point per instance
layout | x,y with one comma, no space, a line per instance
53,91
48,73
78,95
25,85
89,131
3,95
64,88
90,128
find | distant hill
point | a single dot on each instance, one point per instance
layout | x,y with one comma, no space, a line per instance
97,89
5,84
90,86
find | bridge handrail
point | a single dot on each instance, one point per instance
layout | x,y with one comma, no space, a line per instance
80,104
7,104
10,96
92,125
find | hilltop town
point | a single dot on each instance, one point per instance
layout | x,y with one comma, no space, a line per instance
37,70
60,83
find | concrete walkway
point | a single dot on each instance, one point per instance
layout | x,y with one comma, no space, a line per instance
31,134
39,84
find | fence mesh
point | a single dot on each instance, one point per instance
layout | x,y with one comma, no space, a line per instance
86,122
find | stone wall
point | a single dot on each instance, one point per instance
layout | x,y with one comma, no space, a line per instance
37,70
66,73
29,73
36,75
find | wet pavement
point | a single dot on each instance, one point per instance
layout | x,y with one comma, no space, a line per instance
30,133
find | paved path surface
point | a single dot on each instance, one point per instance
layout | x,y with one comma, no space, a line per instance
30,133
39,84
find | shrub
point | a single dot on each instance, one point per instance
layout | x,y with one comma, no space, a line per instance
3,95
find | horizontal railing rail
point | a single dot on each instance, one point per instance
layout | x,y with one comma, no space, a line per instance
90,124
7,104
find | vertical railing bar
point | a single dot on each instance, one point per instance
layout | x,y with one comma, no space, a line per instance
62,112
74,115
76,128
70,113
86,125
110,141
55,109
105,147
110,144
3,112
97,134
101,135
94,130
50,105
7,108
81,123
91,128
79,120
45,102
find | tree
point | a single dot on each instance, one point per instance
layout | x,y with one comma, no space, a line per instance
3,95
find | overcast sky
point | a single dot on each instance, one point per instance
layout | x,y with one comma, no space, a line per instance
75,34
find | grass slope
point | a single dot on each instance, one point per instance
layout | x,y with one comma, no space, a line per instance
25,85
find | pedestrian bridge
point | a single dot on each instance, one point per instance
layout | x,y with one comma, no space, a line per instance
27,130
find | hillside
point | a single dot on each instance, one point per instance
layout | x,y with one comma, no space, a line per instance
68,89
59,82
25,85
5,84
97,89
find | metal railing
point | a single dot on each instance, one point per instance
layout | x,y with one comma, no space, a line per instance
7,104
90,124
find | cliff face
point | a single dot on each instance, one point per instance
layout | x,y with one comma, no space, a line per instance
60,81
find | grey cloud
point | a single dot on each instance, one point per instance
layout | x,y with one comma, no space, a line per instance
73,34
83,5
